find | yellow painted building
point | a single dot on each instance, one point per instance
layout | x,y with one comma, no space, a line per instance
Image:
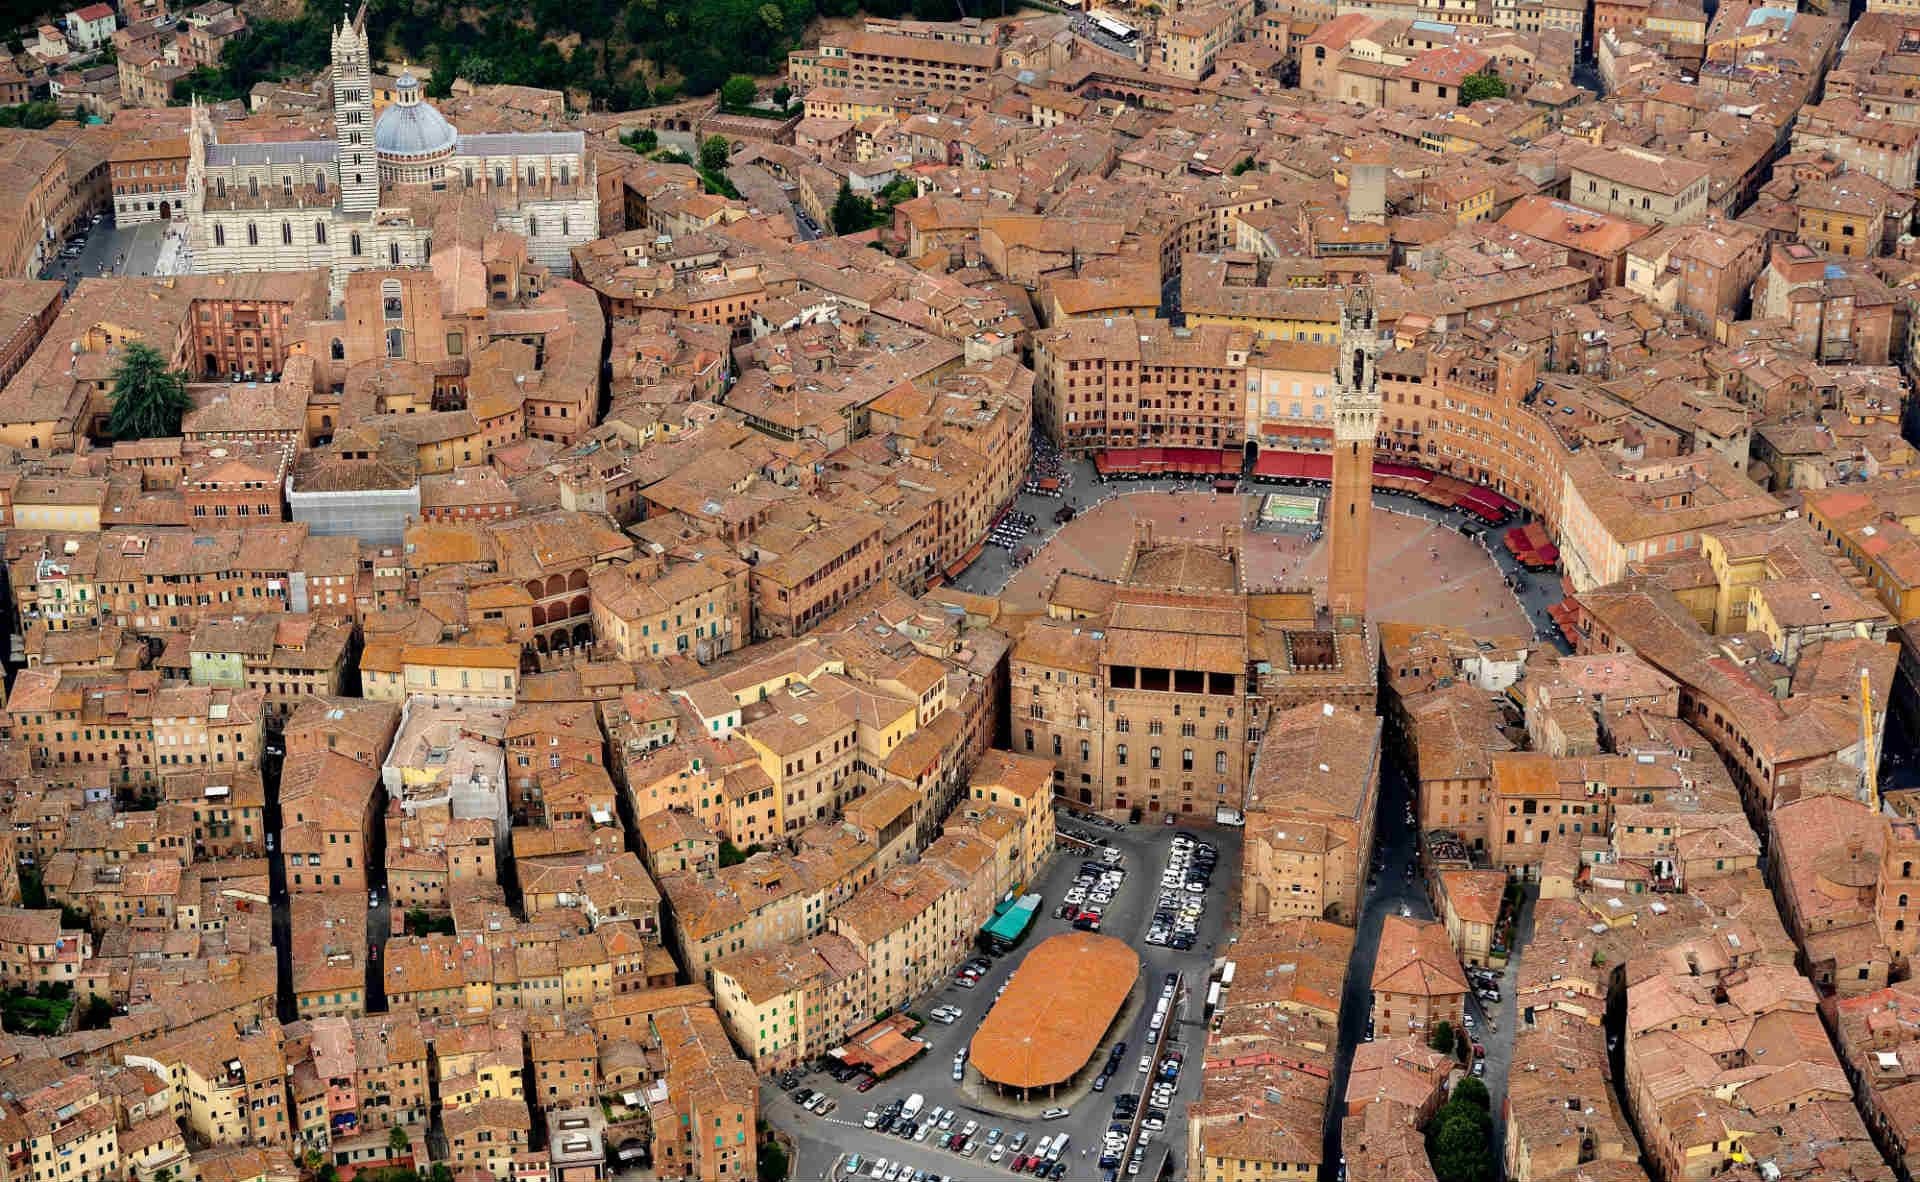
1877,527
391,671
1267,313
59,504
1022,787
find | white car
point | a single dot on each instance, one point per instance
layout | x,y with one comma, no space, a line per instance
1055,1114
1468,1019
1146,1062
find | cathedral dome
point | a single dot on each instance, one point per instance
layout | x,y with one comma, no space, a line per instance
410,128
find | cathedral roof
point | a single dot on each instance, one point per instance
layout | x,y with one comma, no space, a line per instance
411,127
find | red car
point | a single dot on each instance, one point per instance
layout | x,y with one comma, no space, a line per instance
1020,1164
864,1083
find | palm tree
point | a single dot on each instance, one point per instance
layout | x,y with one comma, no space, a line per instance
149,400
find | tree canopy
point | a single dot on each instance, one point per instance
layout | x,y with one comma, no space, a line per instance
32,116
852,213
1460,1135
628,53
1442,1037
1484,85
149,400
739,91
1472,1091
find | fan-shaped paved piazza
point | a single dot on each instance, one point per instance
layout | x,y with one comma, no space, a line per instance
1424,570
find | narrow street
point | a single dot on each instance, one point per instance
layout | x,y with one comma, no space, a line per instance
1401,884
379,918
277,887
1397,885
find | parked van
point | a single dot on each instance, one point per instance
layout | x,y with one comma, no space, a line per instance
913,1106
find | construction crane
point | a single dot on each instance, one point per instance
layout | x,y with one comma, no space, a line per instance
1869,781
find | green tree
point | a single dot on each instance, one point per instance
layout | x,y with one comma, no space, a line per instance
851,212
398,1143
1471,1091
643,141
898,190
1484,85
782,95
1460,1148
1244,167
738,91
773,1162
1442,1037
149,399
96,1014
713,153
441,1172
32,116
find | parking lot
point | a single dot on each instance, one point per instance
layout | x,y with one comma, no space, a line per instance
826,1144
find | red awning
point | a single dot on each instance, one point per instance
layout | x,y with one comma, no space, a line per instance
965,560
1484,503
1567,615
1277,465
1401,471
1196,461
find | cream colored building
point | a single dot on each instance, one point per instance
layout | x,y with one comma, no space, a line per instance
792,1003
1642,185
910,929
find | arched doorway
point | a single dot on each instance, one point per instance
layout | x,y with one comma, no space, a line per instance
166,211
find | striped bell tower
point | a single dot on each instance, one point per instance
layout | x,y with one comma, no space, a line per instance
353,115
